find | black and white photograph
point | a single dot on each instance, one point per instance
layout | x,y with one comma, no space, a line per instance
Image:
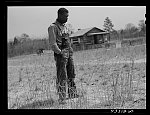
76,57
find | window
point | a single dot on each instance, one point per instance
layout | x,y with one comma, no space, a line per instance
75,40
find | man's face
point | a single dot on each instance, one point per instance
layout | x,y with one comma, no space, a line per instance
63,17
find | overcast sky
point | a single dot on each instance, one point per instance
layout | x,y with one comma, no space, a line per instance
35,20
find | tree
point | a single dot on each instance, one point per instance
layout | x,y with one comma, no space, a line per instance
129,26
130,30
15,41
142,26
120,34
24,35
108,26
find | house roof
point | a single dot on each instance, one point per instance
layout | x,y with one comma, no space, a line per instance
98,33
84,31
81,32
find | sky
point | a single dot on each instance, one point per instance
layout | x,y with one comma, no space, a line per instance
35,20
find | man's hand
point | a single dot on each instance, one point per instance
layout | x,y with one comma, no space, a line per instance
65,53
55,48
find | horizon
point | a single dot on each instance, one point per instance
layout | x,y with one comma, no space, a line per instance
35,20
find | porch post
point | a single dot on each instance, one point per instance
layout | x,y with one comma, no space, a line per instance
83,45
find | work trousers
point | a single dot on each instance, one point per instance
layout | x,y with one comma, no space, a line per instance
65,75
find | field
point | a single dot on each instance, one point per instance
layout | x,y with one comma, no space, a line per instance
105,79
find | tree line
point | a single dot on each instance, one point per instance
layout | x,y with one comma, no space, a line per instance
25,45
130,30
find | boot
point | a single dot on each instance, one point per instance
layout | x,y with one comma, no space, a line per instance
72,92
61,90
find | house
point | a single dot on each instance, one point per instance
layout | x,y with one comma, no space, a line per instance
88,38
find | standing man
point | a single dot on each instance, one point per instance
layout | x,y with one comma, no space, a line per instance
63,52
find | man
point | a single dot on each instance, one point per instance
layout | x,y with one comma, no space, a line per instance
60,44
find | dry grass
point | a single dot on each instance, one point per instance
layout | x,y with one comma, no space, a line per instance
104,80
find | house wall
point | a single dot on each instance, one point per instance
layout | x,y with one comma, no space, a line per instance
80,45
89,40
